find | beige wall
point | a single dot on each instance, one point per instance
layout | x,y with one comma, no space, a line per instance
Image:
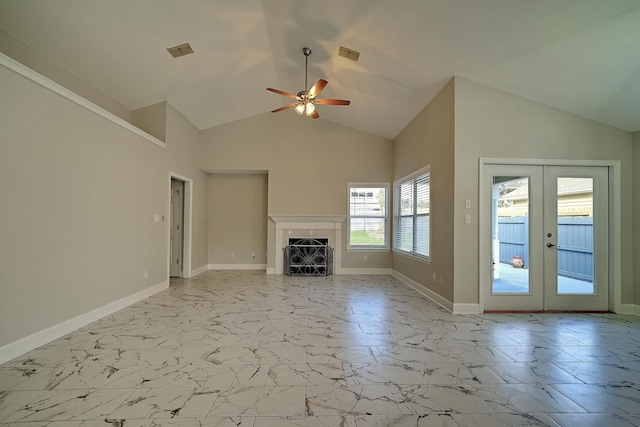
429,140
491,123
23,54
79,194
309,162
238,218
152,119
183,154
636,217
182,157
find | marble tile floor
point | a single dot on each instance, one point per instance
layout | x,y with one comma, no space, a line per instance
232,348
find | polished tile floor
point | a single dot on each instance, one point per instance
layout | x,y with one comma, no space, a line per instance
251,350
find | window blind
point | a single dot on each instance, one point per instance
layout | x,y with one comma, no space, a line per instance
412,215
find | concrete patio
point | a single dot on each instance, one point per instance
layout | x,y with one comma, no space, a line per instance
515,280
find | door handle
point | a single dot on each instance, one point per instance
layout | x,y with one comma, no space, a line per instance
550,245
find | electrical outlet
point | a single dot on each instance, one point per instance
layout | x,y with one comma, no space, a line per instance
366,258
233,254
253,255
146,274
435,277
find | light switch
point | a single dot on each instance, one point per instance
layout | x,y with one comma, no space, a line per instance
467,204
467,219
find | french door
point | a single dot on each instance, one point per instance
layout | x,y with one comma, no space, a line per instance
549,241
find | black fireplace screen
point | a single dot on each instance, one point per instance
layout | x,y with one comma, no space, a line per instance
308,257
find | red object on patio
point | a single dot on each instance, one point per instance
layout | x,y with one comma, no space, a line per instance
517,262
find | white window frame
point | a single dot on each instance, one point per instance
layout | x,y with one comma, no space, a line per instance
387,234
411,178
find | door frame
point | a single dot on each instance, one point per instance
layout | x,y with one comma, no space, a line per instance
186,230
615,228
176,219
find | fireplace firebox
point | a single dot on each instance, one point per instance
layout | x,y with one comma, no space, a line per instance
308,257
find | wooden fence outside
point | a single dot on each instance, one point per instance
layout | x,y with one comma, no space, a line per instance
575,244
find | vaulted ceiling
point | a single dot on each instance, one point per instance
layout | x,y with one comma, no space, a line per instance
581,56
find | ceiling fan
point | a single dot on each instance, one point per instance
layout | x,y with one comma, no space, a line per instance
306,100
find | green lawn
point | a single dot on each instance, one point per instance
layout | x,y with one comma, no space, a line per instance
366,238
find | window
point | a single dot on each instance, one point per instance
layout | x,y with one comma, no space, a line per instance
368,216
412,212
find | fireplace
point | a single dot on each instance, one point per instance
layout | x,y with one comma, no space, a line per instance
308,257
307,227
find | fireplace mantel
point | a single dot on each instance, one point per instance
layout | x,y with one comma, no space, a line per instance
329,226
307,221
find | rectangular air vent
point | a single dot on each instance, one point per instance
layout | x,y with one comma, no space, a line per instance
180,50
348,53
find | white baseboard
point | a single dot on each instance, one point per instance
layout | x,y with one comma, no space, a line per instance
33,341
237,266
466,308
443,302
383,271
197,271
628,309
271,270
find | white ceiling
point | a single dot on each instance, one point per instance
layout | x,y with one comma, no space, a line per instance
581,56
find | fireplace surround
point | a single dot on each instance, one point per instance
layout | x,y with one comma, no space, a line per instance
309,227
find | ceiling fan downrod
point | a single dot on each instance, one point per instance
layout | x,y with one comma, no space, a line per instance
306,52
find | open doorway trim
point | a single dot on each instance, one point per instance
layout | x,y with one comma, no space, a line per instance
187,217
615,227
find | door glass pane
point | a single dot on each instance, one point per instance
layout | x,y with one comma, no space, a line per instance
575,236
510,235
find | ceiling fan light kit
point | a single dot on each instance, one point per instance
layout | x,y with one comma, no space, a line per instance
306,99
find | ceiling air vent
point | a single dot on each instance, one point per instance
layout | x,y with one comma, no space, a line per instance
180,50
348,53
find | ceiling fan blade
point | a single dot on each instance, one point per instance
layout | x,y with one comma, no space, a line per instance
287,94
286,107
315,114
331,101
317,88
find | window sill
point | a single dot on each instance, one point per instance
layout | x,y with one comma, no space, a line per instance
365,249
